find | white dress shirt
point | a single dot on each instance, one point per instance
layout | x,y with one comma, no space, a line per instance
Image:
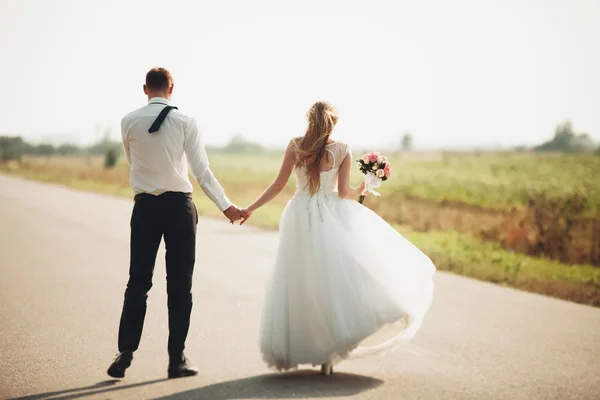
159,161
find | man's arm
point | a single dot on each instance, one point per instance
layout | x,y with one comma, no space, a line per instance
198,161
125,140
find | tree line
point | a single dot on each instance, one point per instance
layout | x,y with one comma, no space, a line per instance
565,140
15,148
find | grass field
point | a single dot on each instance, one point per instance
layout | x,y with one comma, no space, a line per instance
464,211
501,181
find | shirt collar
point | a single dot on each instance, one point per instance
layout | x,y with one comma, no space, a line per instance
159,100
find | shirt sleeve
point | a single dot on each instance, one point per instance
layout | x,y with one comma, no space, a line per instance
125,140
198,162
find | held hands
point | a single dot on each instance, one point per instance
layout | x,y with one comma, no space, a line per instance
248,211
235,214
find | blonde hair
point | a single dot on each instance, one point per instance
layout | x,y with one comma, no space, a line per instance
309,150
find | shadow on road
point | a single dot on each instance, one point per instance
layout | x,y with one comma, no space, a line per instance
104,386
303,384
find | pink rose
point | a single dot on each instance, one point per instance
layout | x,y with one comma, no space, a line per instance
384,159
372,157
365,158
380,173
388,170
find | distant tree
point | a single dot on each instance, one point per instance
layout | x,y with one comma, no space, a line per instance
406,142
238,144
111,158
45,149
12,148
29,148
67,149
104,144
566,140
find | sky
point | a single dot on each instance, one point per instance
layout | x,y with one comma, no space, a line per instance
453,73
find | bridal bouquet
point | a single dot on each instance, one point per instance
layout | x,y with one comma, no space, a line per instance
377,169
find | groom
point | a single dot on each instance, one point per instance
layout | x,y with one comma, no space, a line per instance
160,142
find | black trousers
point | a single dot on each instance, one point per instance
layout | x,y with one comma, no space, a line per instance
173,216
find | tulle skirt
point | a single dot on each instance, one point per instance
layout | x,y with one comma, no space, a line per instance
345,284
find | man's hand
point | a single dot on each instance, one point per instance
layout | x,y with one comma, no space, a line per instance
234,214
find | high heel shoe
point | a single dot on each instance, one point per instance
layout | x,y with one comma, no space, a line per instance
326,369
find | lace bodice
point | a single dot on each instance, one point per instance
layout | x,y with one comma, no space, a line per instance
329,178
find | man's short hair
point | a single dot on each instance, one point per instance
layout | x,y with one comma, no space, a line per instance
159,79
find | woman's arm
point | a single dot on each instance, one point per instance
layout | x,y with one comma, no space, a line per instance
344,189
287,166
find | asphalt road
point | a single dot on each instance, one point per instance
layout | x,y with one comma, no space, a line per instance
63,269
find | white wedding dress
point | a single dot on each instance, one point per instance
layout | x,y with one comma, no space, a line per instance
343,277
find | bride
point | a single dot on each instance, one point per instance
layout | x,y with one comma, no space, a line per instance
342,275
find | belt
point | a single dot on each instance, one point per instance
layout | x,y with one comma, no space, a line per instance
142,196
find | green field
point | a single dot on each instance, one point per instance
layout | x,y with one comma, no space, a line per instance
501,180
489,180
448,204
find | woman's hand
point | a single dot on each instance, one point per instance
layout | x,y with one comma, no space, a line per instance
248,211
360,188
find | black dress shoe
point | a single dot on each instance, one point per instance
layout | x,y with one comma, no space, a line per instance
181,367
120,364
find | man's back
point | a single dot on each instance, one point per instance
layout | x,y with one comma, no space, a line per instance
158,162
